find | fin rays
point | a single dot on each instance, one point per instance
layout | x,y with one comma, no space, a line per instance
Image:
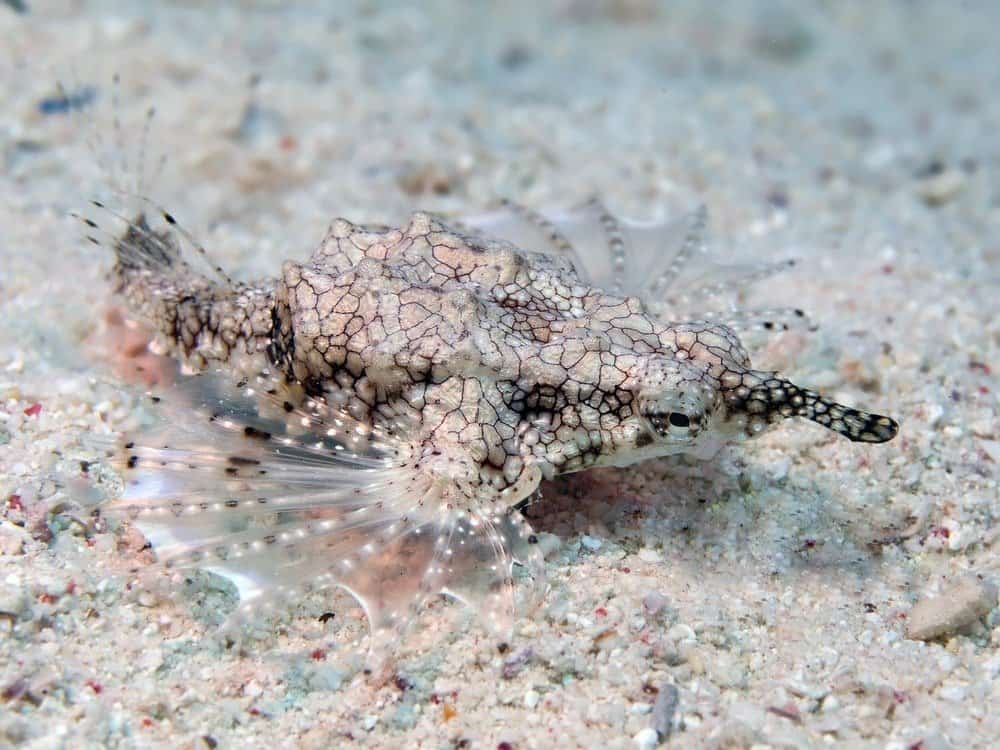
310,500
647,260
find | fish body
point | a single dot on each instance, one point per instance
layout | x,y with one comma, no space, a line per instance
369,418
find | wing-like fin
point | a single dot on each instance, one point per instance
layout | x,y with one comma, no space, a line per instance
285,495
665,264
657,260
605,251
480,560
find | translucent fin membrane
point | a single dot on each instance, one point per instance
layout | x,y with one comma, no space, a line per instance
286,499
619,256
665,264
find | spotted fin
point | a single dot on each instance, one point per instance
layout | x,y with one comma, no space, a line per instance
285,494
761,398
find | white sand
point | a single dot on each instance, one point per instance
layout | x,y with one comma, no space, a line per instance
772,588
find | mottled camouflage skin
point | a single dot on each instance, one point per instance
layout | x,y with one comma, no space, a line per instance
508,363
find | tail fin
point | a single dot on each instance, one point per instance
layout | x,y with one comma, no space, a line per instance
195,316
151,269
283,501
139,247
162,272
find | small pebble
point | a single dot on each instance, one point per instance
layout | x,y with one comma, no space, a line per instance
692,720
147,599
590,543
368,723
649,555
947,662
646,738
653,602
953,693
992,666
727,671
515,663
324,677
12,539
252,689
14,600
664,709
941,188
531,699
748,716
830,704
958,605
992,448
681,632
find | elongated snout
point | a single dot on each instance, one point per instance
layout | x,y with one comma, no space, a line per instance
757,399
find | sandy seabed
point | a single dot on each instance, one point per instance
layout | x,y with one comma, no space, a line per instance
799,591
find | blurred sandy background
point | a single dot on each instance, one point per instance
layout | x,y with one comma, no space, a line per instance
781,597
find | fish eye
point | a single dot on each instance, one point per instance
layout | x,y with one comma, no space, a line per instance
676,423
677,419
